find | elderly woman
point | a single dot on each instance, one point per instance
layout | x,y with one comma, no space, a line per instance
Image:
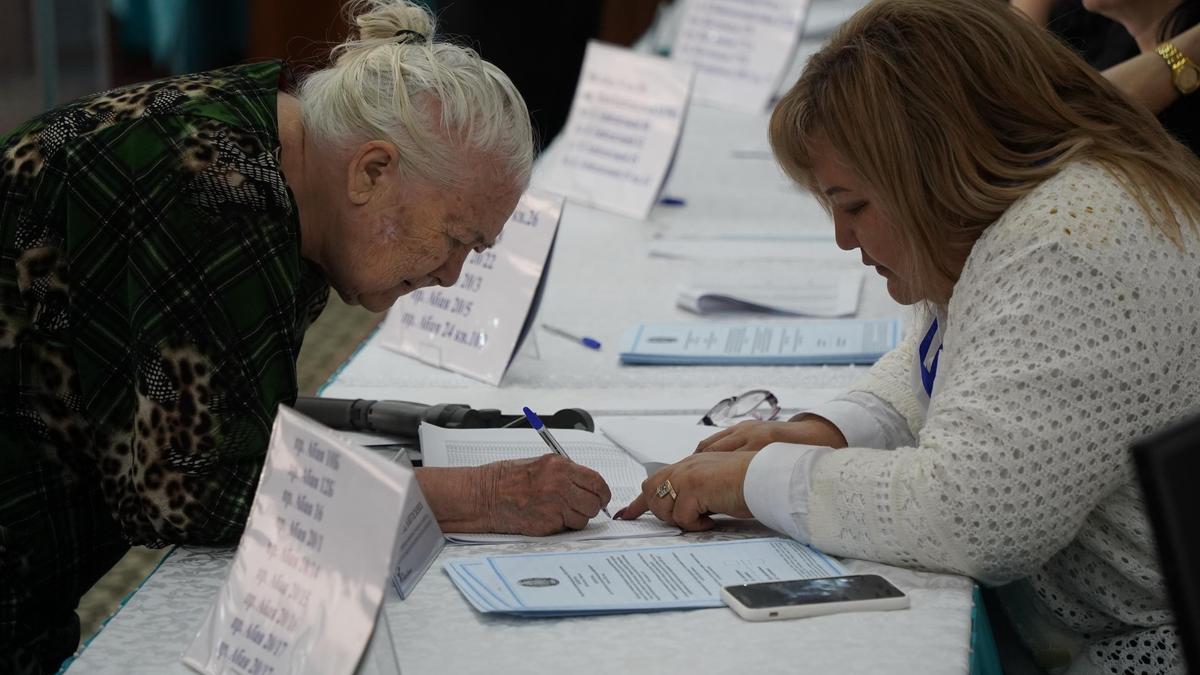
1048,229
163,248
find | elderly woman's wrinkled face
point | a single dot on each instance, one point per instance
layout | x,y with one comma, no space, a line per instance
400,234
859,223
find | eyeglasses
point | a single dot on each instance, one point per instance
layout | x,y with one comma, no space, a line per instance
756,404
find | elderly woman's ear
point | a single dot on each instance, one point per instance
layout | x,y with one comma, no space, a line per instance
371,164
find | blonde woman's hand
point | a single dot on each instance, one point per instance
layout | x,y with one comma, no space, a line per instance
699,486
752,436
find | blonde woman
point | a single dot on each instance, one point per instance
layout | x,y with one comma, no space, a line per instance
1047,228
163,248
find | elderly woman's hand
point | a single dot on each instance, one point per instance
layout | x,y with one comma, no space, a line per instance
753,436
687,492
541,496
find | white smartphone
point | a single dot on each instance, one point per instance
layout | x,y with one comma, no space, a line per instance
797,598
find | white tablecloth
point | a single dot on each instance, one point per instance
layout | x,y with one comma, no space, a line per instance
436,631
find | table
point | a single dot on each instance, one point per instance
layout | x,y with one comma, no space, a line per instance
435,631
602,280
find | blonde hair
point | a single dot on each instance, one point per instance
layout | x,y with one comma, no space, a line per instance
440,104
951,110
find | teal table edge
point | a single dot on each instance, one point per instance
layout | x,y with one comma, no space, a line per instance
985,660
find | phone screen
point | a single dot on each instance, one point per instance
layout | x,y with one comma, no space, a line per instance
814,591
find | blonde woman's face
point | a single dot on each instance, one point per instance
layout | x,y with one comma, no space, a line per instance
859,223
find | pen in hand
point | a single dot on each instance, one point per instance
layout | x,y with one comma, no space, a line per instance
551,441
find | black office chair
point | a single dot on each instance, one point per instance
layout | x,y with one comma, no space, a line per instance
1168,465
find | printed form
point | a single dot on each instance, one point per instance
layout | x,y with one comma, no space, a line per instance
631,579
624,475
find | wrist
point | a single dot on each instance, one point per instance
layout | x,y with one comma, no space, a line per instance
485,489
1185,73
741,508
811,429
461,498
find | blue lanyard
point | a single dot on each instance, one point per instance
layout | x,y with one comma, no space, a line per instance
928,374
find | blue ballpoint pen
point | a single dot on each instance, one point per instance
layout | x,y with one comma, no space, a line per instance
551,441
590,343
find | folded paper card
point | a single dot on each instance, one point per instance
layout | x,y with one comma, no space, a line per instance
622,131
476,326
740,49
308,577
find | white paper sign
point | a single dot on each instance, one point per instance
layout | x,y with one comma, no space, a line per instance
309,573
622,130
473,328
740,48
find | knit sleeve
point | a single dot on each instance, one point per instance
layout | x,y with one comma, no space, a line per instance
889,381
1038,378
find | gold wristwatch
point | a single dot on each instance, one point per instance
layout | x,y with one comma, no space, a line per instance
1184,72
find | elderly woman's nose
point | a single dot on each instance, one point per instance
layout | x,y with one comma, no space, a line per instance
447,274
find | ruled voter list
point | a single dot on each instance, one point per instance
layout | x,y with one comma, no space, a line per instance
474,327
331,523
740,48
622,131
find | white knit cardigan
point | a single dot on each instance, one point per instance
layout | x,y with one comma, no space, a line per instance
1072,331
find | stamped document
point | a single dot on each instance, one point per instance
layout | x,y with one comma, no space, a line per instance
624,475
330,523
778,343
645,579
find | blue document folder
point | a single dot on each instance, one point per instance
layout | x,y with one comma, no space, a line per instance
774,343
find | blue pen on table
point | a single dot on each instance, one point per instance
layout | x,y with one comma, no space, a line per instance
590,343
672,201
540,428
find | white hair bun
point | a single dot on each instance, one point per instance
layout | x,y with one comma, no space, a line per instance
385,19
438,103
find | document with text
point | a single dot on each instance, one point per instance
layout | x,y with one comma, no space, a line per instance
795,342
472,447
650,578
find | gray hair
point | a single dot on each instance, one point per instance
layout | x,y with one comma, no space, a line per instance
434,101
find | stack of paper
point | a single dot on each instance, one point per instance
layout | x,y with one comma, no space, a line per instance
820,250
624,475
655,443
609,581
783,343
822,294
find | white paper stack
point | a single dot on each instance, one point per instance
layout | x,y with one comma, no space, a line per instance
825,294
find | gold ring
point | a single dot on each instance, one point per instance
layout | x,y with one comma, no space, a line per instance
666,489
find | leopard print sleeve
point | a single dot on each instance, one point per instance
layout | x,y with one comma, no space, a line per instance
166,296
217,317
